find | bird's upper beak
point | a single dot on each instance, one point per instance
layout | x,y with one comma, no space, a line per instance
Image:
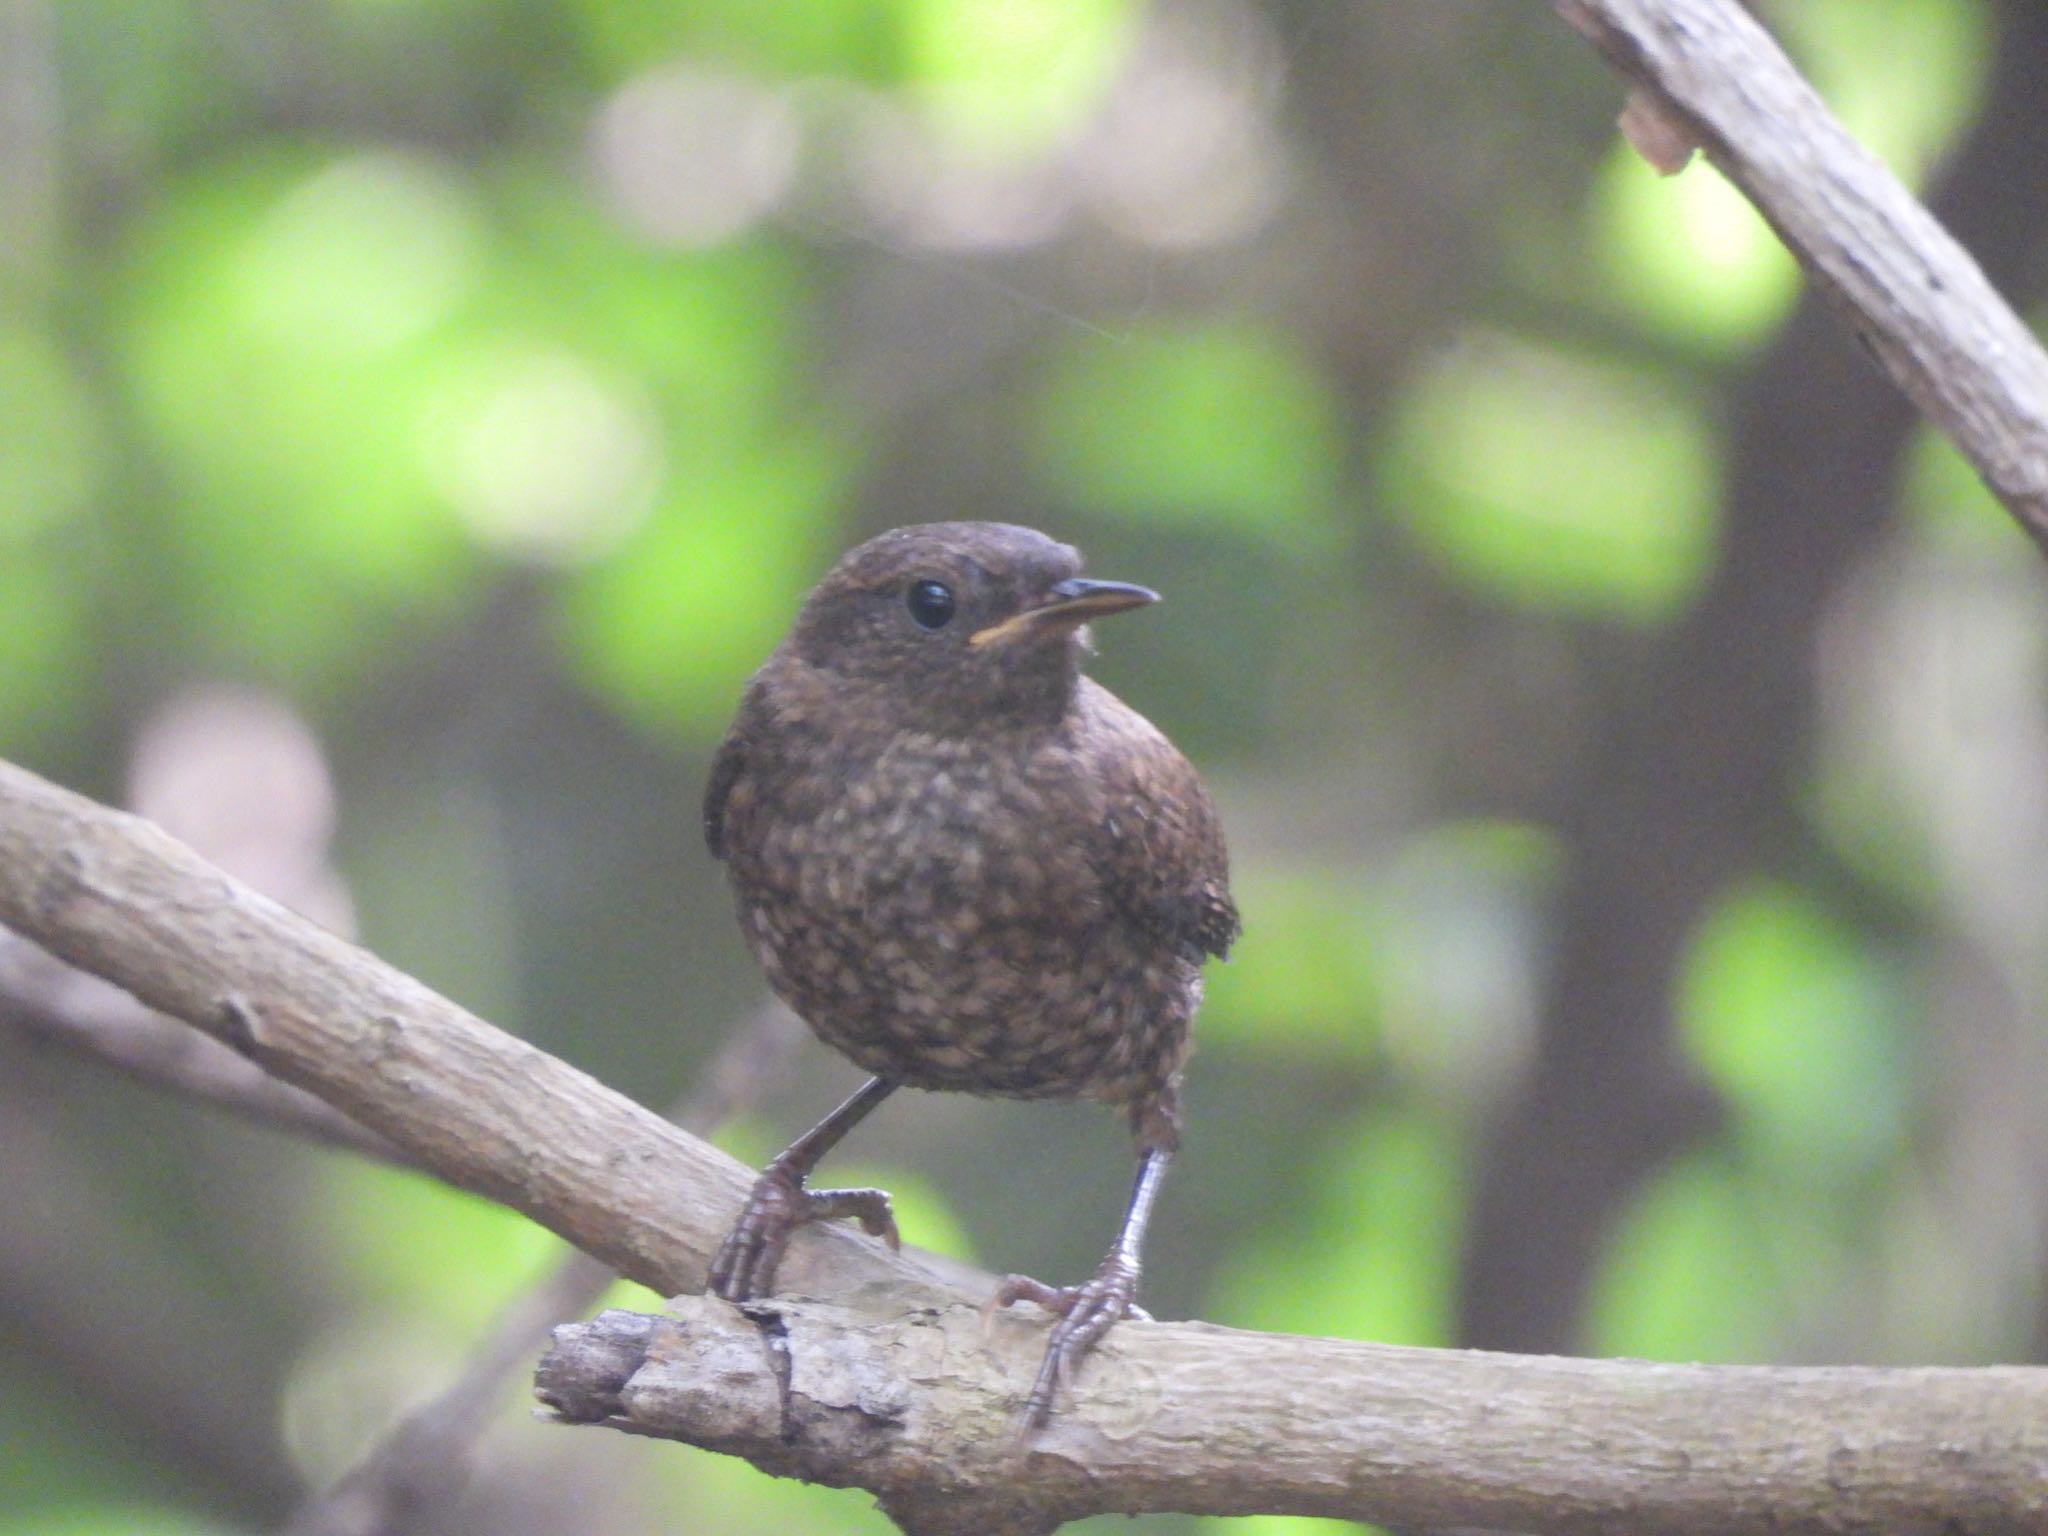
1067,606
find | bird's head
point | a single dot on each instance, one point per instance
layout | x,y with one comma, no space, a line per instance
980,622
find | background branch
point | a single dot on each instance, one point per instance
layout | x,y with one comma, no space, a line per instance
55,1004
112,894
1914,295
1694,761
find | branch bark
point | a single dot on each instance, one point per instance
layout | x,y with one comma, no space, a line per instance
920,1408
904,1396
425,1459
1914,295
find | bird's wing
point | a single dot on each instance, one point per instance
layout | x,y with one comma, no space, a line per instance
783,710
726,769
1166,864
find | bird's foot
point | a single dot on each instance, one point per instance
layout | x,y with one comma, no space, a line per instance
1086,1312
779,1204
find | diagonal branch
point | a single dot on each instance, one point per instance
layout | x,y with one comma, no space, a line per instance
1687,781
425,1458
1913,294
115,896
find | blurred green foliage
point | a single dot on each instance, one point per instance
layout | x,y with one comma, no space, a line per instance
339,356
1383,1212
1489,458
1225,422
1796,1019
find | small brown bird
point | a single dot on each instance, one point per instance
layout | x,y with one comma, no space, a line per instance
968,867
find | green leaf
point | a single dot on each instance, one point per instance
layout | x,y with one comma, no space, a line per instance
414,1245
862,38
1689,254
52,444
425,1269
726,1496
1014,77
1305,978
280,316
1950,502
1288,1525
1906,77
102,1519
46,634
669,629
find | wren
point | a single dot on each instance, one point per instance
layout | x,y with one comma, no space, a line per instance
967,866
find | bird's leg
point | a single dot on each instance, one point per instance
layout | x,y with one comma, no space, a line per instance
779,1204
1089,1310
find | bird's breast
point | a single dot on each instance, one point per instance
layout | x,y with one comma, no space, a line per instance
938,912
941,839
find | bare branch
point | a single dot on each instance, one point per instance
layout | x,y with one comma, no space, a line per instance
425,1457
921,1409
1914,295
1688,779
1170,1417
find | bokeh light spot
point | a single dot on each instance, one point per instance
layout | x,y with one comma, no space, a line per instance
695,156
1011,76
368,252
1556,479
1224,421
1689,255
542,455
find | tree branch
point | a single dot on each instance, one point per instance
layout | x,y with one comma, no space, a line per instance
1913,294
921,1410
425,1457
1687,778
115,896
1169,1417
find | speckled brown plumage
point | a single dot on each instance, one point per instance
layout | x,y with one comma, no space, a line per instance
966,865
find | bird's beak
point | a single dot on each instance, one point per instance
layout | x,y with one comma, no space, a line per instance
1068,605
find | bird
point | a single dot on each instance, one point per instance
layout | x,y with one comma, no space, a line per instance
968,867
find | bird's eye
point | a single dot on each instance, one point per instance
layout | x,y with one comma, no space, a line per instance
930,603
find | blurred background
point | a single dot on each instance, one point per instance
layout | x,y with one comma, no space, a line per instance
417,417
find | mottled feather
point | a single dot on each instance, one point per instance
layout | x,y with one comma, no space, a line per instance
967,866
968,869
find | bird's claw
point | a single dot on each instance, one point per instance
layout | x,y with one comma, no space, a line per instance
1085,1313
779,1204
